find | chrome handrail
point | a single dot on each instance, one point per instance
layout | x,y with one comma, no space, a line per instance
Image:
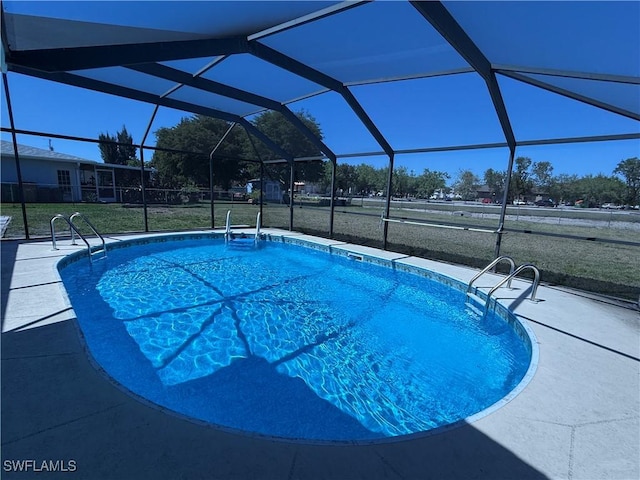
227,229
73,228
258,227
534,288
490,266
91,226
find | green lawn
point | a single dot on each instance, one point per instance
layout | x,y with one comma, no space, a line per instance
590,265
115,218
611,269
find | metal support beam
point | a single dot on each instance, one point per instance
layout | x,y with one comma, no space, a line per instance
276,58
211,86
600,77
306,131
440,18
16,156
97,85
261,187
332,207
503,207
80,58
309,18
572,95
142,179
211,169
299,124
568,140
255,150
251,129
287,63
292,180
184,78
414,76
387,203
366,120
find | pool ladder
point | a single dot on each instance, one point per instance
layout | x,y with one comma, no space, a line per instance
228,235
474,299
75,232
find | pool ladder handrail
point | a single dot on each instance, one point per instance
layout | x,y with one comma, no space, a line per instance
91,226
74,231
258,220
511,276
227,229
490,266
513,272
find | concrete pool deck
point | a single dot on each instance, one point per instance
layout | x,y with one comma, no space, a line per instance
578,418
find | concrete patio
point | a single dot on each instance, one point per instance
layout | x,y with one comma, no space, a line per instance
579,417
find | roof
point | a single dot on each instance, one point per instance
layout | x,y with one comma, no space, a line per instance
229,60
32,152
25,151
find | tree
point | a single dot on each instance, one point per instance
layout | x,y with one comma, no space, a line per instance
199,134
383,179
291,140
466,185
599,189
118,149
564,188
630,170
346,178
369,180
430,181
400,181
520,182
542,175
495,180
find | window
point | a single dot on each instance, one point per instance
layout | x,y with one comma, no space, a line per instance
64,181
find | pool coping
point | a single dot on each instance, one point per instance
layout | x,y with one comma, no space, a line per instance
577,418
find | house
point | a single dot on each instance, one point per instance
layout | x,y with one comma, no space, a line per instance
485,194
272,191
308,188
49,176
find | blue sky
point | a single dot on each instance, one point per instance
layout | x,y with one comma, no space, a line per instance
55,108
439,111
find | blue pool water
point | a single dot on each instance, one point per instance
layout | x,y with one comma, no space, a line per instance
289,341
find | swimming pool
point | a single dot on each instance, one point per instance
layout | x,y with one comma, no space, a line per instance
292,342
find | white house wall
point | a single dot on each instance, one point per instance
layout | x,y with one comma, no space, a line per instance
8,170
40,172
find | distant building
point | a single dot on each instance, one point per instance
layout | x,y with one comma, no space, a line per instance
484,193
307,188
49,176
272,191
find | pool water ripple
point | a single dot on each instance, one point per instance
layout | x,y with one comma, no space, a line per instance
396,352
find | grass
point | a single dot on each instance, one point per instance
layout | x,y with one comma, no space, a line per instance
612,269
115,218
586,264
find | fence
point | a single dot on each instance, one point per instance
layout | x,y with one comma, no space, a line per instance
591,249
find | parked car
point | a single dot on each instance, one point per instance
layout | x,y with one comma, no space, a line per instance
545,203
519,202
